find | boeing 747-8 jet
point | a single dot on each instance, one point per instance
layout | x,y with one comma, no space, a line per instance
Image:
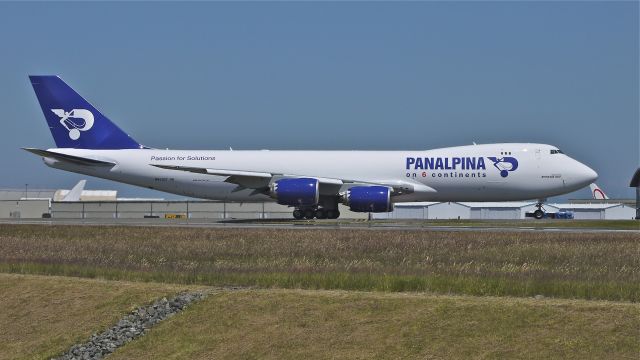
313,183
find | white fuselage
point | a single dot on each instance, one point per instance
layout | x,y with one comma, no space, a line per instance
447,174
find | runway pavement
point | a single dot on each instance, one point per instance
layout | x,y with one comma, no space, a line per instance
488,226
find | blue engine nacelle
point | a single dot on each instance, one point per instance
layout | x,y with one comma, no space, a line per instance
296,191
369,199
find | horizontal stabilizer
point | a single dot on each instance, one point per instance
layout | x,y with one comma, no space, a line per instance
69,158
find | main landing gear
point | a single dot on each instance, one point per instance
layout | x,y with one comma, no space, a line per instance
327,208
317,213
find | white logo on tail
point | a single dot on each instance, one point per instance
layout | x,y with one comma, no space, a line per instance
74,126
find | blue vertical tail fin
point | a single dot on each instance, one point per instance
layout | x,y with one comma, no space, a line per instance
74,123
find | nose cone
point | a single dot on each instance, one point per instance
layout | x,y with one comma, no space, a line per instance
589,174
582,175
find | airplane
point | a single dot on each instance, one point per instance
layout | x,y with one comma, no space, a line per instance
313,183
75,193
597,192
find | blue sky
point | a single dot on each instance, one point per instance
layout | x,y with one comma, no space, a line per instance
293,75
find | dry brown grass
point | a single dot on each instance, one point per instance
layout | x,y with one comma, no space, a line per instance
570,265
42,316
295,324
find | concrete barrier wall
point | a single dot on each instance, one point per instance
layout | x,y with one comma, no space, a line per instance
178,209
35,208
23,209
67,210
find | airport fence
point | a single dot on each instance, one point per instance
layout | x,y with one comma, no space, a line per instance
167,210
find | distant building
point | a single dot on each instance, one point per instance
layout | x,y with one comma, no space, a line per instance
89,195
503,210
628,202
24,209
635,182
599,211
17,194
37,203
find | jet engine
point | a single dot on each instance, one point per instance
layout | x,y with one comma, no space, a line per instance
296,191
368,199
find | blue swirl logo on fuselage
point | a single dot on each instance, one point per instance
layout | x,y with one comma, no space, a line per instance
504,164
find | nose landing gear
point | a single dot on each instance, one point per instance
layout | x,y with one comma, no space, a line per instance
539,213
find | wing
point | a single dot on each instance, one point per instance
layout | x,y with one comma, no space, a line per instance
261,180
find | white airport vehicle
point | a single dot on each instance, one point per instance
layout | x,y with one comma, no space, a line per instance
313,183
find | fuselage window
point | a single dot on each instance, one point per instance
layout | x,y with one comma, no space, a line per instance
556,151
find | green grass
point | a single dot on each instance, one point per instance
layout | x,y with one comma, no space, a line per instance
563,265
44,315
295,324
443,284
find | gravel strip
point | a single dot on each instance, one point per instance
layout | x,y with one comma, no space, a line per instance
130,327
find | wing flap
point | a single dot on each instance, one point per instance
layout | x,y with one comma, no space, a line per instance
218,172
232,174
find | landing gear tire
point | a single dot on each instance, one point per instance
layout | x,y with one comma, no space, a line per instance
321,214
333,214
309,214
538,214
297,214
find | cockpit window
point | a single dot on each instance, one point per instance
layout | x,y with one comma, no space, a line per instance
556,151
